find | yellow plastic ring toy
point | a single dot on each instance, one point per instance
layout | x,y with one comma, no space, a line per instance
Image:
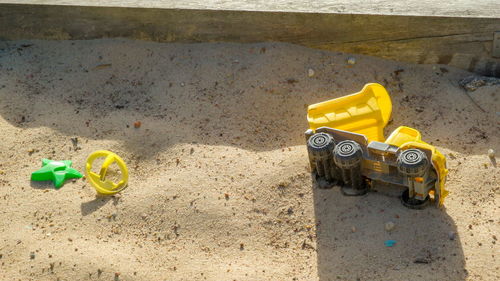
101,185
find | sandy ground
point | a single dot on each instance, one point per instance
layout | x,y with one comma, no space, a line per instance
220,187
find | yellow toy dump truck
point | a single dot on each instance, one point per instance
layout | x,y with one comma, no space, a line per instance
347,147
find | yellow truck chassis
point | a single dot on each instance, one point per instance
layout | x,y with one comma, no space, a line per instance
347,147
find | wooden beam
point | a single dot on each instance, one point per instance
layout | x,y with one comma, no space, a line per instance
449,8
458,41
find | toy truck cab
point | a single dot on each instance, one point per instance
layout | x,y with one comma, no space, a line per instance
346,146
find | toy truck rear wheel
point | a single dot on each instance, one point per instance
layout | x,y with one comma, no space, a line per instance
320,147
347,156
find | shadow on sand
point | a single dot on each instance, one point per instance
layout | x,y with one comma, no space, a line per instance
207,97
98,202
351,234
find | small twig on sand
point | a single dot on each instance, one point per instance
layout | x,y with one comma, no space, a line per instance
473,101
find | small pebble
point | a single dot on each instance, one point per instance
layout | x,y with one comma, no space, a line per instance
137,124
491,153
452,235
351,60
422,260
32,255
310,72
353,229
389,226
183,84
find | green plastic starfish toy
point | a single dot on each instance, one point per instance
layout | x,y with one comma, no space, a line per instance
55,171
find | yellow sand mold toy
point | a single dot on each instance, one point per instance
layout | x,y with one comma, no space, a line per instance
99,181
346,146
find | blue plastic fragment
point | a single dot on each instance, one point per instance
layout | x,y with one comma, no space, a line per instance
390,243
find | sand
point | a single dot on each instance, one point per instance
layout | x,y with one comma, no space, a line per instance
220,187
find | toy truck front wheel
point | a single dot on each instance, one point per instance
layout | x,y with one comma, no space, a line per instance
413,164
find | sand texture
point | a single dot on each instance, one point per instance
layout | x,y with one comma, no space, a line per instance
220,187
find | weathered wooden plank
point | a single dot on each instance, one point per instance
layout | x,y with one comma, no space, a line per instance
451,8
457,41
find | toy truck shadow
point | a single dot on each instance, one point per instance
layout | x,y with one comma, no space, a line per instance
351,234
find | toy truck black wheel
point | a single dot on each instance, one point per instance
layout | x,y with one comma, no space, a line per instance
412,163
320,145
413,203
347,154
